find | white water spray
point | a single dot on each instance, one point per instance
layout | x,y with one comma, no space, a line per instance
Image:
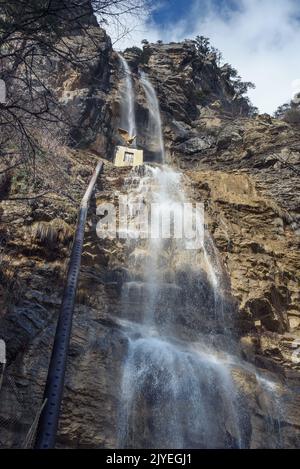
155,126
170,286
128,121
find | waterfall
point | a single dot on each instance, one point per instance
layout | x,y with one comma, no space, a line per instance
178,387
155,125
128,100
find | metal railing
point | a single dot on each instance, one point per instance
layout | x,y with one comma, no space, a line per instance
48,422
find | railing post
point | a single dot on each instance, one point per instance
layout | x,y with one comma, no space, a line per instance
48,422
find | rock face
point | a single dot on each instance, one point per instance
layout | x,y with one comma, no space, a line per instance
82,88
190,87
244,169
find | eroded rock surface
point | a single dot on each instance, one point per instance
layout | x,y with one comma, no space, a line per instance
246,172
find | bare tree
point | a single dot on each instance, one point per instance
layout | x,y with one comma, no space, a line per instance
35,36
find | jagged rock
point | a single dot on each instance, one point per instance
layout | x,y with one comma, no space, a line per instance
245,171
195,145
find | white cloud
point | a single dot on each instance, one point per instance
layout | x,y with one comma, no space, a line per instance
296,86
260,39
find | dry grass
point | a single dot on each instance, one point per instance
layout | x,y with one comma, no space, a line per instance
52,233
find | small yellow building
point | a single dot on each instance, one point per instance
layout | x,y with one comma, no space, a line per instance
126,156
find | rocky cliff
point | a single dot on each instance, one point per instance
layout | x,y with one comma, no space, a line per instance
246,171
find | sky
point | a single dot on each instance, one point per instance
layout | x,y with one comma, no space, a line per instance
260,38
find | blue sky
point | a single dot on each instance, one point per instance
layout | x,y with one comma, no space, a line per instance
169,11
260,38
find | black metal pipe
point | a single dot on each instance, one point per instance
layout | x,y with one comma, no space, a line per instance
48,423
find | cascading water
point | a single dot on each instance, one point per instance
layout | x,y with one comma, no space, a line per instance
178,388
128,101
155,127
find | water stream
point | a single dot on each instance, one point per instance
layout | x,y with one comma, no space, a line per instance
128,121
155,125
